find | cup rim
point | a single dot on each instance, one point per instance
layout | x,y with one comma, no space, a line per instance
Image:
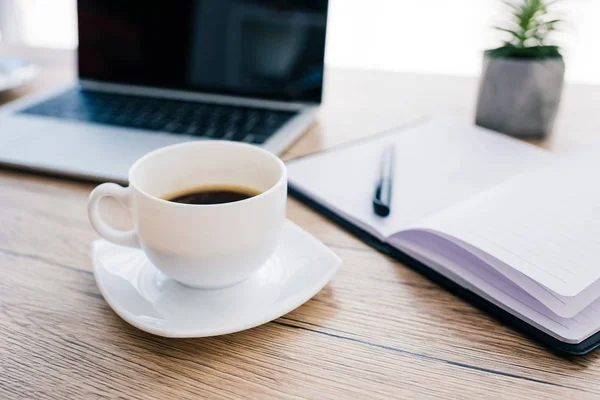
278,161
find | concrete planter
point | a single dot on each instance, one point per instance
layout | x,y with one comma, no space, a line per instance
520,97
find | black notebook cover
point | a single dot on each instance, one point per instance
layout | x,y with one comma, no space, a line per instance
561,348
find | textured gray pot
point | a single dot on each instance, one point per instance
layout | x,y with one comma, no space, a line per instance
520,97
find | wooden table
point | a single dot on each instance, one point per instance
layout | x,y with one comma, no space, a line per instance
378,330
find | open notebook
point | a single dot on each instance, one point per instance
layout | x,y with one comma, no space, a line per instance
517,227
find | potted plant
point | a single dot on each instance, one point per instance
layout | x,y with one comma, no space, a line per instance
522,80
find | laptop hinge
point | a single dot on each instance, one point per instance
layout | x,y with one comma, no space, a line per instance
191,96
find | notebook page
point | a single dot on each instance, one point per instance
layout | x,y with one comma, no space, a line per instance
544,223
563,306
471,273
438,163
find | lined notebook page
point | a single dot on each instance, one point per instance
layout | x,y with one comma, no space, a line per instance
476,276
545,223
438,163
563,306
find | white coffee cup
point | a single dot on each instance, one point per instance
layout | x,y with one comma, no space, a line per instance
203,246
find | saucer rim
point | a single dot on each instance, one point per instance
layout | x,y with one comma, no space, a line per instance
283,308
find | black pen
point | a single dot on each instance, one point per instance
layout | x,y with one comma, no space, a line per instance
382,199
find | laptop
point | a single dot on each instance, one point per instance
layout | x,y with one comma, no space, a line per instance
158,73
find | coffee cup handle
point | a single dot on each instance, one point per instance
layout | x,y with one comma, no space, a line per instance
122,195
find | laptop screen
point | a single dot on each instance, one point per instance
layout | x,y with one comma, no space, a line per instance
270,49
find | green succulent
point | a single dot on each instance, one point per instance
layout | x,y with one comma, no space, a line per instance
529,31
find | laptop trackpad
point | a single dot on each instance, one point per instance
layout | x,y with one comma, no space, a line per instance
79,149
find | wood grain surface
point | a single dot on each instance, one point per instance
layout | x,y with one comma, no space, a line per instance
378,330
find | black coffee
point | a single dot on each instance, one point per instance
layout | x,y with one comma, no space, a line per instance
212,195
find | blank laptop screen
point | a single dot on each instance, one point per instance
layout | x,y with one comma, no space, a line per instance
270,49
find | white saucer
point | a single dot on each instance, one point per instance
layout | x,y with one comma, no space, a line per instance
152,302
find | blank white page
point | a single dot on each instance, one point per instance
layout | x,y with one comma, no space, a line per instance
438,163
544,223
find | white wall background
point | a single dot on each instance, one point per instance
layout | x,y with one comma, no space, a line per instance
448,36
434,36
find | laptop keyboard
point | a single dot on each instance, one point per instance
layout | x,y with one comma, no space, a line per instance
206,120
